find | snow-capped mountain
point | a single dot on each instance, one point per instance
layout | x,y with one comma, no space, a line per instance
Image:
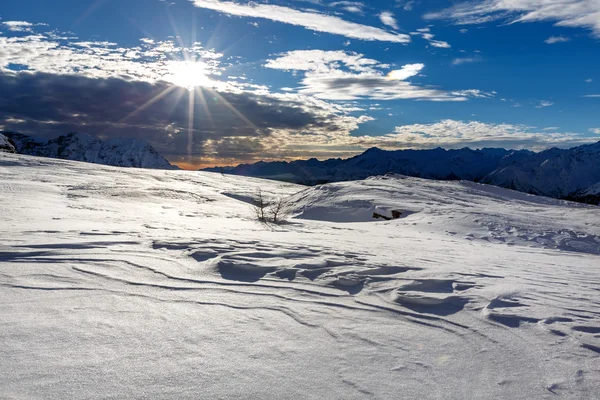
438,163
560,173
5,145
120,152
555,172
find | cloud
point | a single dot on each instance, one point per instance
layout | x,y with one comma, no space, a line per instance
387,18
463,30
350,6
591,95
556,39
465,60
589,80
150,61
405,5
20,26
544,103
426,34
406,71
568,13
242,126
595,130
309,20
475,134
475,93
339,75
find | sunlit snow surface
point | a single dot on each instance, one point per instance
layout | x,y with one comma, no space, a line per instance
128,283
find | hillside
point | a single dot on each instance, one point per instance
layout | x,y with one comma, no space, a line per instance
121,283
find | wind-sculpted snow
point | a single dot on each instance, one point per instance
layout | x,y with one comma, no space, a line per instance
121,283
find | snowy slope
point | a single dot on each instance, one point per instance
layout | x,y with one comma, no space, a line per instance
130,283
120,152
5,145
433,164
556,172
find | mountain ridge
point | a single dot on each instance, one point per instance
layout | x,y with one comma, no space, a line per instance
559,173
119,152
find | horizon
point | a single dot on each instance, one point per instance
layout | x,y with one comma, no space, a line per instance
219,83
224,163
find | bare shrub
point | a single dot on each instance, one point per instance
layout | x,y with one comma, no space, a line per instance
275,211
260,206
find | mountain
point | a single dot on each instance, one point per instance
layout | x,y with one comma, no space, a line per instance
120,152
438,163
6,145
572,174
555,172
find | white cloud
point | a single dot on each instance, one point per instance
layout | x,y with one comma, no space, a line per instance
592,95
426,34
595,130
551,128
350,6
322,61
387,18
151,61
589,80
556,39
309,20
455,134
544,103
406,5
475,93
465,60
569,13
339,75
463,30
20,26
406,71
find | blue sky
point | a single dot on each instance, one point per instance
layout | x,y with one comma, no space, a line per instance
221,82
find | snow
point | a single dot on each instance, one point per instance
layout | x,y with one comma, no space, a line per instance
134,283
556,172
5,145
120,152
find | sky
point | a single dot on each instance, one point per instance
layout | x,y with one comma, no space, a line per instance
211,82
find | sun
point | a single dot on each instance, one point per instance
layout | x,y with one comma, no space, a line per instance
187,74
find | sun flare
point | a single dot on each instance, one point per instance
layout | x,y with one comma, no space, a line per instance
188,74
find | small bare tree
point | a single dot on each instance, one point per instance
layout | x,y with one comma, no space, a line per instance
279,210
266,210
260,206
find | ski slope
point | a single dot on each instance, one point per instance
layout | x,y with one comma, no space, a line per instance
132,283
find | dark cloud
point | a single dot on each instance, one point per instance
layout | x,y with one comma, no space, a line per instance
226,125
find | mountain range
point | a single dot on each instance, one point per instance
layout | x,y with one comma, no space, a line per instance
572,174
119,152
